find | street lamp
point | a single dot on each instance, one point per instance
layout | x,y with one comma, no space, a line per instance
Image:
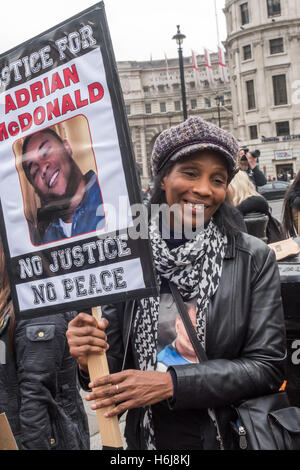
218,100
179,39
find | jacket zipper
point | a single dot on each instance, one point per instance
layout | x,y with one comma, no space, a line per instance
242,437
219,437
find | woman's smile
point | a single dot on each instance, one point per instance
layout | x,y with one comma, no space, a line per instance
197,183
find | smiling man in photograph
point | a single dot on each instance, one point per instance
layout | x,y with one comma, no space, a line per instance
71,202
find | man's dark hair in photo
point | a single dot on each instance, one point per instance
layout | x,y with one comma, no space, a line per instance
69,199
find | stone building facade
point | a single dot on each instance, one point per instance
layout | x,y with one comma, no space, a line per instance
260,105
263,40
152,95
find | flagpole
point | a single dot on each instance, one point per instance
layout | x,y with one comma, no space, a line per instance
223,73
217,23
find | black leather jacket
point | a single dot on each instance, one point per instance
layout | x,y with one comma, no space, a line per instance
245,338
39,390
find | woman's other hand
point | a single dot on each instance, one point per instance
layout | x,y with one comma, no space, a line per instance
85,336
130,389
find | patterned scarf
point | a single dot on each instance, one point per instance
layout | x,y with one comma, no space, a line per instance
195,268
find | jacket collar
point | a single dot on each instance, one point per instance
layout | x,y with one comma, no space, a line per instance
230,252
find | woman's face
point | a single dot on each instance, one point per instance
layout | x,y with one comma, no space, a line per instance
199,179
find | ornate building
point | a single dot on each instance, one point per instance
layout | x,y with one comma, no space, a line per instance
260,105
152,94
263,39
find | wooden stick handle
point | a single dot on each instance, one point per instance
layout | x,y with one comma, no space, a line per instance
108,427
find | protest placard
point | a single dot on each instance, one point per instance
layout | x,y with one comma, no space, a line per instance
67,176
7,440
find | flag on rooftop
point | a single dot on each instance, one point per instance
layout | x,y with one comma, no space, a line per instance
195,69
208,67
153,76
223,70
167,71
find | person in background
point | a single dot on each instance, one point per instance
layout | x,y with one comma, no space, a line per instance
247,200
291,209
245,197
248,163
39,391
236,215
233,280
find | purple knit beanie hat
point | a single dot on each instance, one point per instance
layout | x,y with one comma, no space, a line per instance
190,136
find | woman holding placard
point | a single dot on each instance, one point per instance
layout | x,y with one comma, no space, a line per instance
230,285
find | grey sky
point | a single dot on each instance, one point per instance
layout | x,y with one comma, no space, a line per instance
138,28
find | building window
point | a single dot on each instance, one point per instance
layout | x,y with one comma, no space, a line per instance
276,46
274,7
177,105
176,86
161,88
250,94
127,109
282,128
192,85
163,107
193,104
253,132
247,52
279,88
148,108
244,13
207,103
146,89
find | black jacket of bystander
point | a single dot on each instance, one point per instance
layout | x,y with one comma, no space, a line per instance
39,390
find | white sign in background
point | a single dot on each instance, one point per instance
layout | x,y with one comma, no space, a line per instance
283,155
104,138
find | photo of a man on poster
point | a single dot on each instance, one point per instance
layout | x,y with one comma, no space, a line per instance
173,340
70,201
